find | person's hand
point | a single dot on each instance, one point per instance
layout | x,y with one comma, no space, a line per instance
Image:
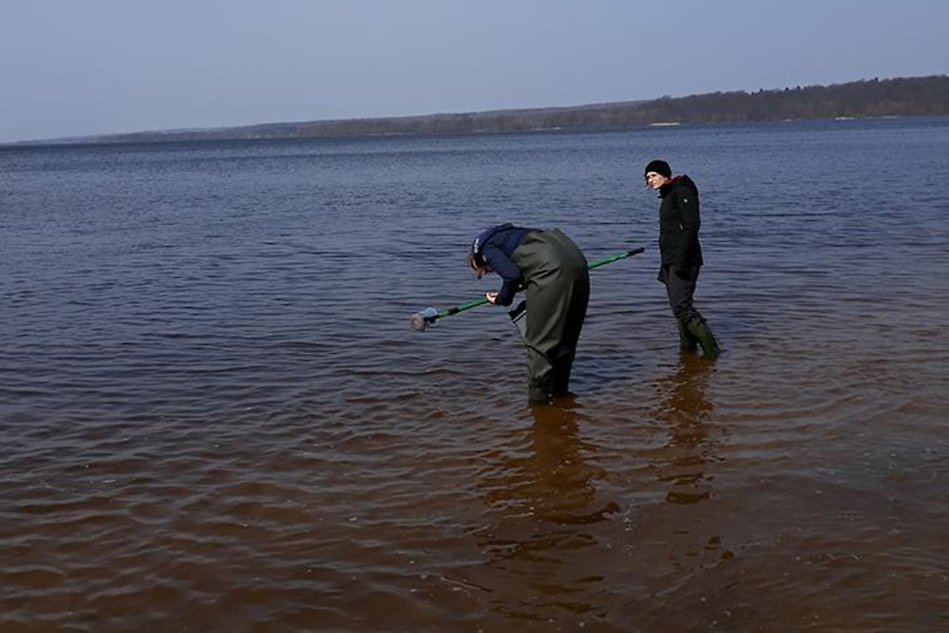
682,274
491,296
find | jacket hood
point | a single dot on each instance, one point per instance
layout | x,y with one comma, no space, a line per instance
678,181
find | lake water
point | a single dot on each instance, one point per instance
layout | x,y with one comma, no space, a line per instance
215,417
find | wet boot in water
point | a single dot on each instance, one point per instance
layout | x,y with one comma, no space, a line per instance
560,376
700,330
687,342
539,390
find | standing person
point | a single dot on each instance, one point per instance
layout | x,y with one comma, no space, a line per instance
681,253
554,273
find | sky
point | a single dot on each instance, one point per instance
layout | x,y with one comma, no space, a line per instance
84,67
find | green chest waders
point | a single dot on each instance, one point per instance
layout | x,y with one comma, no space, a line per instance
557,283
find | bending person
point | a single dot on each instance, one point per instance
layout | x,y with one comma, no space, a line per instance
553,271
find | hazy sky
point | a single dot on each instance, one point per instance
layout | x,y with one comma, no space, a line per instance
78,67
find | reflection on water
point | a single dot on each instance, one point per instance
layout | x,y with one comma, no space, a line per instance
685,410
543,505
552,482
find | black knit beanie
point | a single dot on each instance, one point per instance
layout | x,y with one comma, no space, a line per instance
661,167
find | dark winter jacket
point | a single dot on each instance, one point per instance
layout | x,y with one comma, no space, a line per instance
494,246
679,224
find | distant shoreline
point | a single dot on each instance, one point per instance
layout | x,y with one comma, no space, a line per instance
867,99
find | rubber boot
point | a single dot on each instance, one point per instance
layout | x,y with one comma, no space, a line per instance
560,376
700,330
687,342
539,390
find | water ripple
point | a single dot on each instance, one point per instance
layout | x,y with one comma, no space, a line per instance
215,416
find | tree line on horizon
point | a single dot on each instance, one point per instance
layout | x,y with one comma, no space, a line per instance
915,96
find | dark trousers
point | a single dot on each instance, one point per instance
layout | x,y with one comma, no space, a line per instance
558,289
680,292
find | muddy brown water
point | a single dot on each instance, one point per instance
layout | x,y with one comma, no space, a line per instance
215,417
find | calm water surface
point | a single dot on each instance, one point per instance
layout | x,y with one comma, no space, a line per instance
215,417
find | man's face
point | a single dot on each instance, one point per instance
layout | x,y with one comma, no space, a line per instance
655,180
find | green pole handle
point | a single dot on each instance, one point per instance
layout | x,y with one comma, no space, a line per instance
615,258
479,302
464,306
